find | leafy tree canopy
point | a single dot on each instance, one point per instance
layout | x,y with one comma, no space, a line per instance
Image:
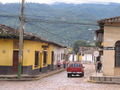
80,43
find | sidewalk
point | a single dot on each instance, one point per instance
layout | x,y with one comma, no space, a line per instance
100,78
28,77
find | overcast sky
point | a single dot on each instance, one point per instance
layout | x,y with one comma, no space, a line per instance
66,1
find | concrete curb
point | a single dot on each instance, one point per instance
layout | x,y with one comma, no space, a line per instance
103,82
48,74
31,78
104,79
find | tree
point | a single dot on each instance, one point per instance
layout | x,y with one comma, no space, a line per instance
79,44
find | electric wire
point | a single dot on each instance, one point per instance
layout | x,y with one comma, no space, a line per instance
46,30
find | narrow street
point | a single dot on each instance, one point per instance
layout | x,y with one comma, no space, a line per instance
59,82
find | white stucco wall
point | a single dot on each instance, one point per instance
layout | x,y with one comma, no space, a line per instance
57,54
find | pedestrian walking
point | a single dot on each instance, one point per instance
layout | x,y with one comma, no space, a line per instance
58,64
99,66
64,64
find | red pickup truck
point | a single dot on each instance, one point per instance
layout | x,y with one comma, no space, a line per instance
75,69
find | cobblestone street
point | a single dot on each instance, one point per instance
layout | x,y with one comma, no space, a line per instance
59,82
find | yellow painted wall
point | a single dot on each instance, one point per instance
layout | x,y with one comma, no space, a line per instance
6,52
29,53
80,57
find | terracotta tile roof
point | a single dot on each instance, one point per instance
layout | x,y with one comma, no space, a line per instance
110,20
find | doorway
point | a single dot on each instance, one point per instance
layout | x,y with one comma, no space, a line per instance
52,59
15,61
117,54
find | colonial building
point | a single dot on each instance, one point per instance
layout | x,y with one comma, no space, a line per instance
87,53
38,53
108,39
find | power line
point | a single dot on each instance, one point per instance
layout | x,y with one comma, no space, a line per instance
30,19
9,16
58,22
41,20
43,29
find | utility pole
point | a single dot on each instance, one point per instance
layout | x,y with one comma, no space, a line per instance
21,35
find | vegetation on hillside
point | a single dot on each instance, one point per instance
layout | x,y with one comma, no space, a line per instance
80,43
44,19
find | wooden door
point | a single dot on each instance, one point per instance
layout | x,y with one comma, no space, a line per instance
15,61
52,57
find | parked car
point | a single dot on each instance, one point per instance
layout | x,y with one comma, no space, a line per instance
75,69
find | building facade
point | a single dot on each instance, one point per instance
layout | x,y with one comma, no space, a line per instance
38,54
109,42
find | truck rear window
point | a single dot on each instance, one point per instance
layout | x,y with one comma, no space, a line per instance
75,65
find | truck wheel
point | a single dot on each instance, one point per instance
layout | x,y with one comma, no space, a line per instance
82,75
68,75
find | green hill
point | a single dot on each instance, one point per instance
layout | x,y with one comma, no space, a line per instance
45,19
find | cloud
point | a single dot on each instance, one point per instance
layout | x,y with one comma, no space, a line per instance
65,1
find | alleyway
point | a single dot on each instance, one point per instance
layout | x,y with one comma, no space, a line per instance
59,82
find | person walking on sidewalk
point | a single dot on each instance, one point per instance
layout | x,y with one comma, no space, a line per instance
58,64
64,64
99,66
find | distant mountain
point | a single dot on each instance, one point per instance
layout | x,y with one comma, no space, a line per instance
45,19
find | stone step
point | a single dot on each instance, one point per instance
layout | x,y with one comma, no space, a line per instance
104,79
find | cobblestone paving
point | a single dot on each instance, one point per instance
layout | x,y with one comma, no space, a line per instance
59,82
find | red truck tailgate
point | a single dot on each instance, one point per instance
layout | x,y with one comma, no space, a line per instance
74,69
